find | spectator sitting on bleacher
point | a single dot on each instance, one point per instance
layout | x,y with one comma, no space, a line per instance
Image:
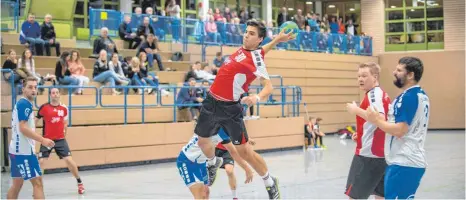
12,63
151,48
117,67
77,70
103,42
28,65
103,74
145,4
218,16
189,96
63,73
149,78
145,29
211,29
191,73
227,14
47,31
126,34
134,73
30,33
218,61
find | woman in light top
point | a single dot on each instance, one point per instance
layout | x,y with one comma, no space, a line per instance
116,66
27,64
77,70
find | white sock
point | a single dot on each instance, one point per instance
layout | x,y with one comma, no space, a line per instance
212,161
268,181
233,192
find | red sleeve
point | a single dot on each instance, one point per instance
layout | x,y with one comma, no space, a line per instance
41,111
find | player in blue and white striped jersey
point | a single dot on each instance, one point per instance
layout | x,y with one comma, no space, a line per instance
24,163
407,126
192,164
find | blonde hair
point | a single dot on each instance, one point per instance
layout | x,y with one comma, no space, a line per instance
135,62
374,68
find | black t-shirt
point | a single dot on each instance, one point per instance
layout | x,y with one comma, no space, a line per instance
147,45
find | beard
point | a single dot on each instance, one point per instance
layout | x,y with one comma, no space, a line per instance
399,82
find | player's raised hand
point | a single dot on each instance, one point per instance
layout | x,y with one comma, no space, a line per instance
284,37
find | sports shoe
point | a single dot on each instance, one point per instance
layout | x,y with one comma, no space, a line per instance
81,189
274,192
212,170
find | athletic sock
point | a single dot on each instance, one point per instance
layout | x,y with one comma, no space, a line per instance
268,181
79,180
212,161
233,192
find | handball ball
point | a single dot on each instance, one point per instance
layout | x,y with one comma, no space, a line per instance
290,26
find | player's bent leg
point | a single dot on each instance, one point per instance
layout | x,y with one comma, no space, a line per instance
15,188
198,190
71,166
229,169
38,188
254,159
207,147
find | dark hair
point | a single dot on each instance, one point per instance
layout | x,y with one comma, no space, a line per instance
26,80
77,53
413,64
23,57
218,53
197,62
259,25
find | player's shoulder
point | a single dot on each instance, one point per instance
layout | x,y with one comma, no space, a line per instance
62,105
23,102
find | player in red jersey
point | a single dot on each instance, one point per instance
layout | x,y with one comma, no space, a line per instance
367,171
55,116
222,108
228,165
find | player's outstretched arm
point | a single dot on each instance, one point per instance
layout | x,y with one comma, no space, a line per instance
234,154
26,131
281,37
263,94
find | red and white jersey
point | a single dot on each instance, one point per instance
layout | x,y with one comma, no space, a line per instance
237,73
371,139
54,120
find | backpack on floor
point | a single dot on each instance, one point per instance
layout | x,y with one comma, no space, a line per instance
177,56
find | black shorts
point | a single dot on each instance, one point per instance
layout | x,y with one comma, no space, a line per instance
227,159
61,148
217,114
366,177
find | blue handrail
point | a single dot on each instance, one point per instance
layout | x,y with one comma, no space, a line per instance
12,85
125,105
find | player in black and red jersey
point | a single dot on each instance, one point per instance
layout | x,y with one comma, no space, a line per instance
55,116
222,108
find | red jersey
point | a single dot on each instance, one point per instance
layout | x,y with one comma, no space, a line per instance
54,120
237,73
371,139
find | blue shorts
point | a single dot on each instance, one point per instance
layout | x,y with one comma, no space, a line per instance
191,172
25,166
402,182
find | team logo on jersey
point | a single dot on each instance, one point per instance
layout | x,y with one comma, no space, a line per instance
27,111
61,113
240,57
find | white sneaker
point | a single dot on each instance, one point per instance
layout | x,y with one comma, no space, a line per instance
163,92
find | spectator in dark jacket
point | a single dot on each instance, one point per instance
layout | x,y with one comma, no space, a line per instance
189,96
145,29
62,72
30,33
126,34
151,48
218,61
47,31
103,42
283,17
